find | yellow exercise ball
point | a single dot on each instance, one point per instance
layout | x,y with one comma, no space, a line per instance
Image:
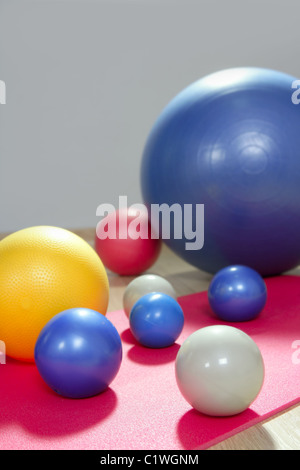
43,271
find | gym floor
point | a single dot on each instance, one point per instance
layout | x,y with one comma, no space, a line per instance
281,432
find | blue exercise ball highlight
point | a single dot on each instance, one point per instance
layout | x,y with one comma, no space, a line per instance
237,294
156,320
231,141
78,353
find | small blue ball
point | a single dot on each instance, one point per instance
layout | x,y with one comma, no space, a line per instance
237,293
78,353
156,320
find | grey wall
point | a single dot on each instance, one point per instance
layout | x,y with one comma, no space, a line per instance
86,80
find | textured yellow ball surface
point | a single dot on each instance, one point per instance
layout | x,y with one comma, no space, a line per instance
43,271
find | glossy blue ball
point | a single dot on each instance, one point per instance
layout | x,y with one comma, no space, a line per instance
237,293
231,142
78,353
156,320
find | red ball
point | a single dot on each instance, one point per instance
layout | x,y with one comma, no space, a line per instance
125,243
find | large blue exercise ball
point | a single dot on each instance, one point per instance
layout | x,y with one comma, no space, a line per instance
230,141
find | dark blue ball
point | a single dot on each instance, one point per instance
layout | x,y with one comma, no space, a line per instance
231,141
237,293
78,353
156,320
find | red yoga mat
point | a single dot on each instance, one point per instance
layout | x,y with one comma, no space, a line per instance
143,408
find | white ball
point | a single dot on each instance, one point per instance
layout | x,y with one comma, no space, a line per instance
143,285
219,370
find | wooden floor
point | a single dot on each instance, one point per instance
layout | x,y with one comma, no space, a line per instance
281,432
